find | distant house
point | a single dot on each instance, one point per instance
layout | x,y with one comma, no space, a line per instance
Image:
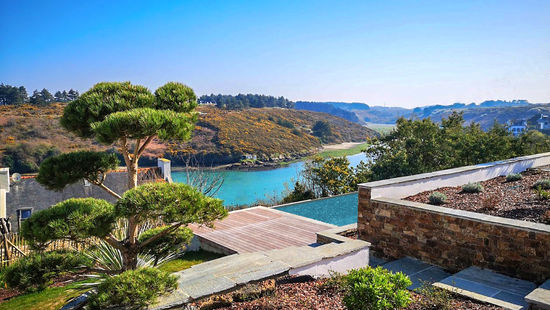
517,127
544,122
250,157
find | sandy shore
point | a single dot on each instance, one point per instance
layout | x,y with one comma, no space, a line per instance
341,146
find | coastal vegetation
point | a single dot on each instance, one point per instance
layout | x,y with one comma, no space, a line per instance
241,101
420,146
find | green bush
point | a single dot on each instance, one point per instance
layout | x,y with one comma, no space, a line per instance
36,271
514,177
472,188
542,194
434,298
543,184
132,289
299,193
437,198
376,289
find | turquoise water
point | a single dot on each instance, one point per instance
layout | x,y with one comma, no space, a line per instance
339,210
249,187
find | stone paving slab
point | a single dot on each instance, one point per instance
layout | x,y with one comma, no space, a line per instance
418,271
540,297
490,287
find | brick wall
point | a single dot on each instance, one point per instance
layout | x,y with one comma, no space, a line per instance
454,239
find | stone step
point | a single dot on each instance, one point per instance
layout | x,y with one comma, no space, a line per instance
539,299
418,271
488,286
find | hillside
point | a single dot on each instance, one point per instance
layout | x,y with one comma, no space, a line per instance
28,134
224,136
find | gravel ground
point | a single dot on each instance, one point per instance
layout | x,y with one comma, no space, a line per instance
515,200
313,294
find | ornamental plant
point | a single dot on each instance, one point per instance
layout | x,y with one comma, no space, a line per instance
512,177
127,117
132,289
472,188
376,289
437,198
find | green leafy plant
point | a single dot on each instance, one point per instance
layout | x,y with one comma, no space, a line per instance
434,298
166,245
36,270
542,184
376,289
133,289
541,193
437,198
472,188
512,177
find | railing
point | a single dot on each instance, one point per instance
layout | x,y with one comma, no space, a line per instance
18,247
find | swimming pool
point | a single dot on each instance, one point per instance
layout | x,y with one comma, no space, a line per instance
339,210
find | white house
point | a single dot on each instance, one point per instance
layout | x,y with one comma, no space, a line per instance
544,122
517,127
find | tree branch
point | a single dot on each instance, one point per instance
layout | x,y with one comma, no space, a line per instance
136,149
168,230
125,152
108,190
111,240
144,145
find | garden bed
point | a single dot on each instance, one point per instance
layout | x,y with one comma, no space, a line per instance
308,293
509,199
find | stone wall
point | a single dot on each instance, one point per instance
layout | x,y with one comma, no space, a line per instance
454,239
30,194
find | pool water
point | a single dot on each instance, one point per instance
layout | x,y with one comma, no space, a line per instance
340,210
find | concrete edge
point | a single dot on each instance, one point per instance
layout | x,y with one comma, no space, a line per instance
469,215
478,297
533,298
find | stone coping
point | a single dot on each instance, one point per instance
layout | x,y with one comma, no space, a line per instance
429,175
469,215
540,297
233,271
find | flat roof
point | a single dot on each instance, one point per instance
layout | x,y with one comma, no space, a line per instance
261,229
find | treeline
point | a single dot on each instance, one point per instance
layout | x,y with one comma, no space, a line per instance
414,147
241,101
12,95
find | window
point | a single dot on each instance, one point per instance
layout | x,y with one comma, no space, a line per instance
23,214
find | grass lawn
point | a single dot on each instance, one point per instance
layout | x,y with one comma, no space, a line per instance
339,153
187,260
382,129
48,299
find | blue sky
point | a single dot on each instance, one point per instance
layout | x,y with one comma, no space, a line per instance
397,53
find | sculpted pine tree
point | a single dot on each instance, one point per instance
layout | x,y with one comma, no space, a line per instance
129,117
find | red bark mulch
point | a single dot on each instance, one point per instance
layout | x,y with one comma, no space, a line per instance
314,294
515,200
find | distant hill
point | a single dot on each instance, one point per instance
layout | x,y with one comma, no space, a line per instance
327,107
28,134
485,112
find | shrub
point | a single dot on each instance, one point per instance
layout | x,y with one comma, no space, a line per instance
36,271
376,289
513,177
543,184
437,198
434,297
133,288
542,194
299,193
472,188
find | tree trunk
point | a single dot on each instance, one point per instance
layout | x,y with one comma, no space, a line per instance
133,174
129,258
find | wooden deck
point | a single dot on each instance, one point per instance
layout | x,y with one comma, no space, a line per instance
260,229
